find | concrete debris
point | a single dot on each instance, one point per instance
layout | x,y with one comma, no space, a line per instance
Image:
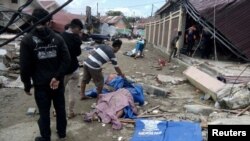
234,96
174,67
170,79
31,111
3,52
155,111
130,126
120,138
7,83
3,67
173,111
3,81
217,105
206,97
93,106
199,109
164,108
183,116
204,135
145,103
218,115
242,120
204,82
149,89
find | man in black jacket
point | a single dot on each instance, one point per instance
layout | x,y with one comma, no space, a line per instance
73,41
44,57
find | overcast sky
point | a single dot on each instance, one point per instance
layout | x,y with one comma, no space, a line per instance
128,7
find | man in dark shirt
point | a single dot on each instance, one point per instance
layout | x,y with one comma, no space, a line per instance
44,58
173,46
190,39
205,44
92,65
73,41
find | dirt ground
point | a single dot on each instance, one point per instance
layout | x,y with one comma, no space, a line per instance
15,125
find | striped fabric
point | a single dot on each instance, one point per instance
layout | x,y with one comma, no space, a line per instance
101,55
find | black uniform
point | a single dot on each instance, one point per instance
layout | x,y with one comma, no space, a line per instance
43,56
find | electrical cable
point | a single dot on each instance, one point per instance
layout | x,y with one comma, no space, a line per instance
14,16
219,36
35,24
231,91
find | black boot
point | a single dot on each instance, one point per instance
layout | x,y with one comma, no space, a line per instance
41,139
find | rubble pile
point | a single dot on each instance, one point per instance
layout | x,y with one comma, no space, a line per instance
9,59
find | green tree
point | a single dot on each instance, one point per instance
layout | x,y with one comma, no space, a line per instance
114,13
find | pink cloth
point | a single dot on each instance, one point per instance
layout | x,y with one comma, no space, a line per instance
109,104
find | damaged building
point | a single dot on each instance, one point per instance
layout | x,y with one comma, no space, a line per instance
226,21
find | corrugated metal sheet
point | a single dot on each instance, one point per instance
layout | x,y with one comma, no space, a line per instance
111,19
232,19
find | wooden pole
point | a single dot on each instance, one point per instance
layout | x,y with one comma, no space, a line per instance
243,111
151,109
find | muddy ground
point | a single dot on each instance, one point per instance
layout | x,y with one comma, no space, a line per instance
15,125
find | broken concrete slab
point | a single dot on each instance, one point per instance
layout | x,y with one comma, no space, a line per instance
234,96
157,91
199,109
203,81
242,120
170,79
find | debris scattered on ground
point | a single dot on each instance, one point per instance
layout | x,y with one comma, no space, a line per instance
165,79
8,83
199,109
234,96
157,91
242,120
31,111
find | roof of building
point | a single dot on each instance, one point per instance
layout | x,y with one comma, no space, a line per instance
47,3
61,18
110,19
231,17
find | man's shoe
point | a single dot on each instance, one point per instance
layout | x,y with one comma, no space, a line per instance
61,136
41,139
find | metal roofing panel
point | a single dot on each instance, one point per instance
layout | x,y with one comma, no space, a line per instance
232,19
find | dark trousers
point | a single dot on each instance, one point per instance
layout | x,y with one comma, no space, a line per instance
44,96
172,53
190,47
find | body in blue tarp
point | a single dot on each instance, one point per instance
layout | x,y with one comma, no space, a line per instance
118,82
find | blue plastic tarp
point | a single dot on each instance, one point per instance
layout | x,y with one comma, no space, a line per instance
155,130
118,82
